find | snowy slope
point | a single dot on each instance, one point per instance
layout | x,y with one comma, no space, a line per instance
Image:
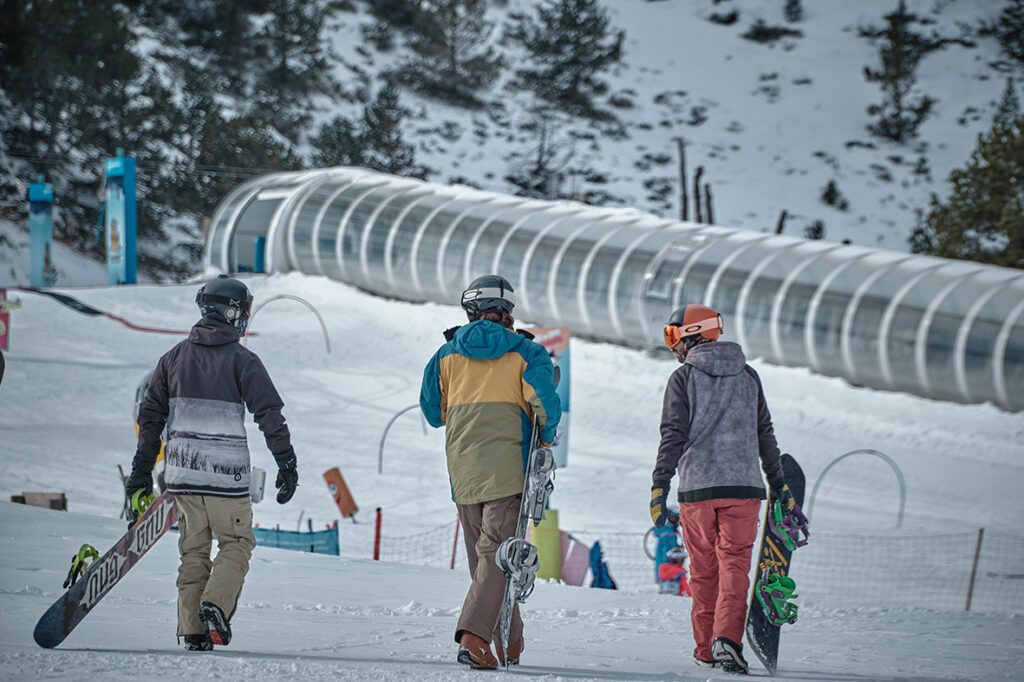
65,424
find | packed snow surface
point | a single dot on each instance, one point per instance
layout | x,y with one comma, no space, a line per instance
65,424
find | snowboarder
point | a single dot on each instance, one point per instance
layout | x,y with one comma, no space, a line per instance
200,389
715,426
672,572
484,385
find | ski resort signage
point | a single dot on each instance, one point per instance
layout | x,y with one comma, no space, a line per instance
556,341
40,227
120,221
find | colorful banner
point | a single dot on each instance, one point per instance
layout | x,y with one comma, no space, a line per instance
120,220
40,227
556,341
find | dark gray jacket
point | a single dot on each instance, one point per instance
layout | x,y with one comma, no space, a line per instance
200,389
715,427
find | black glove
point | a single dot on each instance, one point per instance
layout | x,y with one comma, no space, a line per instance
139,479
287,476
660,513
780,493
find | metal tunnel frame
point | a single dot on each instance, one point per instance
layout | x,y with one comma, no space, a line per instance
943,329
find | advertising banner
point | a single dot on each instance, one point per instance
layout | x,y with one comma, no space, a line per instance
40,228
556,341
120,220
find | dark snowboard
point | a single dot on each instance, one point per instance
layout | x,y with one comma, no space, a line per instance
762,634
75,604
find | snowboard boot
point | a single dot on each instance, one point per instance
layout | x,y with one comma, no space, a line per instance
476,653
704,663
730,655
515,649
198,643
217,627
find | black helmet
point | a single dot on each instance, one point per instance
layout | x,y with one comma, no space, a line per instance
486,293
227,297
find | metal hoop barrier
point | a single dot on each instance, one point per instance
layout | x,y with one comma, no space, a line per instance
383,436
327,339
899,478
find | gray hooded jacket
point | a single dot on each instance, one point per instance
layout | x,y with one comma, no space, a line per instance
201,389
715,427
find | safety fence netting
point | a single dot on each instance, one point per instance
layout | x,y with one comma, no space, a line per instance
979,570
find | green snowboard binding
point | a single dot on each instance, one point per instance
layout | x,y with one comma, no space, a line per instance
80,563
775,591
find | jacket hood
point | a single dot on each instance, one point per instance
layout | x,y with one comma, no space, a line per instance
213,330
719,358
485,340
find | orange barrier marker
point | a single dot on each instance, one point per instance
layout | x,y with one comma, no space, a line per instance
339,491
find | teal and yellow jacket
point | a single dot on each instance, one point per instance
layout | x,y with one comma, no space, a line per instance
485,385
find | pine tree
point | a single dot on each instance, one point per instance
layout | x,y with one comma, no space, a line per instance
793,11
454,60
899,114
385,150
983,220
1010,29
339,143
570,44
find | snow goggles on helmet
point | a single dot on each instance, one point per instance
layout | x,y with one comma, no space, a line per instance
674,334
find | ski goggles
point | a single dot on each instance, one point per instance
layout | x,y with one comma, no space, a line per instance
674,334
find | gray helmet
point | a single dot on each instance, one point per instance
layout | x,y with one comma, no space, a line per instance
486,293
227,297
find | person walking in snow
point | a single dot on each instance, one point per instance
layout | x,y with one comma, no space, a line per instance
484,385
715,430
200,389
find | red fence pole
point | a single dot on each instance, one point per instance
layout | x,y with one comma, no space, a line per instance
974,569
376,538
455,543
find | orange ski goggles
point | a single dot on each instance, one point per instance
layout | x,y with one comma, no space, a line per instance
674,334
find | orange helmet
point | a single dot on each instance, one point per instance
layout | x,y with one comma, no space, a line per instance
692,320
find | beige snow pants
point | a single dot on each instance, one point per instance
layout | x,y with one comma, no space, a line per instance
485,526
200,579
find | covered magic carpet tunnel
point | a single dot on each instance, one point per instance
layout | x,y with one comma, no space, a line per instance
938,328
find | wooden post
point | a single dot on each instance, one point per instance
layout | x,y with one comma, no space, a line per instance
707,206
696,194
455,542
684,199
781,225
376,538
974,569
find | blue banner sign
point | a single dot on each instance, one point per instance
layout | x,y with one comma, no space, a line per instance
40,227
318,542
120,218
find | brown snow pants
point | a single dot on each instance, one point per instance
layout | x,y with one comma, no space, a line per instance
200,579
485,526
719,536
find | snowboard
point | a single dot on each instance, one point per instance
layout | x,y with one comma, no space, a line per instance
75,604
517,557
762,633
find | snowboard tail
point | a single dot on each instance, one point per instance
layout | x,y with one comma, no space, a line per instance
75,604
773,557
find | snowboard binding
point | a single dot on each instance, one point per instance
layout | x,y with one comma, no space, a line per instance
789,527
80,563
139,503
541,483
775,593
517,558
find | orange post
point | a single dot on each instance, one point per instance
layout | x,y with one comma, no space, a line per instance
340,493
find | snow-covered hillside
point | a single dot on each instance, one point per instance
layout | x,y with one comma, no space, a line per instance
771,123
891,609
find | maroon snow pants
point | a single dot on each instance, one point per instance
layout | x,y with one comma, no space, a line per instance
719,536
